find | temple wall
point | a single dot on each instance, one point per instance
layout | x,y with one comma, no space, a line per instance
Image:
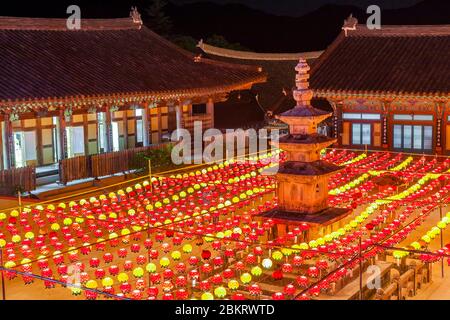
87,132
417,126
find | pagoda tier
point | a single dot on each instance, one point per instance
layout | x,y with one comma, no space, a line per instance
303,179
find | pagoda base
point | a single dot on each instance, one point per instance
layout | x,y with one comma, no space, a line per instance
322,218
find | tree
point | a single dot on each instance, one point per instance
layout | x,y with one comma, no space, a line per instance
157,20
220,41
185,42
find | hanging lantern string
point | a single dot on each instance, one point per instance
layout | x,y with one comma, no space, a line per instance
97,219
162,174
360,254
77,286
430,253
119,237
167,227
389,152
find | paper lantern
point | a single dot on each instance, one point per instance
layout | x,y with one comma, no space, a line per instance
122,277
220,292
107,282
256,271
254,289
207,296
278,296
302,281
267,263
246,278
138,272
238,296
289,290
164,262
233,284
176,255
206,254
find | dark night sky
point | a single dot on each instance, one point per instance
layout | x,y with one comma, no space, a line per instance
300,7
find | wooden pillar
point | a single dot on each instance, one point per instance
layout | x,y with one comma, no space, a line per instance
125,129
146,125
439,125
337,121
385,124
86,134
179,115
9,144
108,129
210,111
39,148
62,148
2,162
159,125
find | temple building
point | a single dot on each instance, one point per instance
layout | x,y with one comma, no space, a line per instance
111,85
388,89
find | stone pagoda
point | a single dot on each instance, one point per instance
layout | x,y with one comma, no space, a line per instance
303,177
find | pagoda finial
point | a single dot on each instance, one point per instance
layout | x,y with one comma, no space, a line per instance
302,93
136,16
350,24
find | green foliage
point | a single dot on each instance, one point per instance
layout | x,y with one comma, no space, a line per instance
160,159
157,19
186,42
220,41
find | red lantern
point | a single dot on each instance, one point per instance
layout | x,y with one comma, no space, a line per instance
278,296
206,254
289,290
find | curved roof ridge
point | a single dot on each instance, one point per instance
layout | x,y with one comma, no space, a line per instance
201,59
60,24
249,55
401,30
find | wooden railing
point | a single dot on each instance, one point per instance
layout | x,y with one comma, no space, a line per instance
101,165
17,178
75,168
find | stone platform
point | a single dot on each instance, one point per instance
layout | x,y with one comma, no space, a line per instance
323,218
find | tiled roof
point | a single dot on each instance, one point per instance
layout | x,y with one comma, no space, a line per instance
41,58
396,60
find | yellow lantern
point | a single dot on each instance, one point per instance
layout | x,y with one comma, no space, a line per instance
67,221
151,267
176,255
207,296
164,262
138,272
16,238
246,278
29,235
233,284
122,277
187,248
220,292
107,282
91,284
256,271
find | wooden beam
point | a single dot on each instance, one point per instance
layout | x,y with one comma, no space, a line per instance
62,136
9,143
39,148
86,134
2,165
125,129
146,125
108,129
160,125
